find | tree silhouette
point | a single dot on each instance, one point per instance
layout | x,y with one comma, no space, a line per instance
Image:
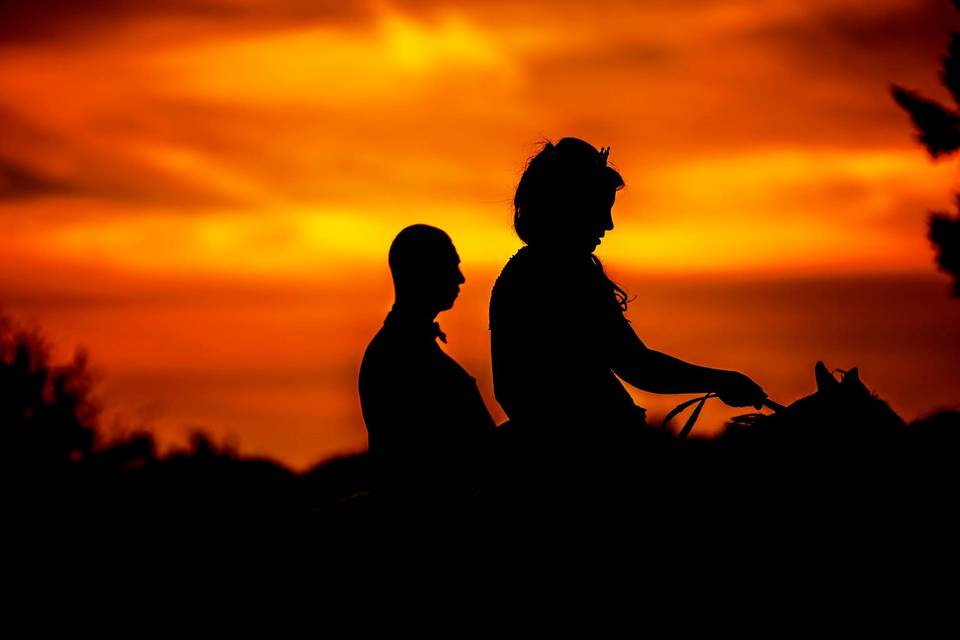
938,129
47,414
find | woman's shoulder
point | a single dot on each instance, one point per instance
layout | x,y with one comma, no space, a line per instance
520,261
519,268
535,282
541,263
529,268
515,289
569,273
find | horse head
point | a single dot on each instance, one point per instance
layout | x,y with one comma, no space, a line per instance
841,410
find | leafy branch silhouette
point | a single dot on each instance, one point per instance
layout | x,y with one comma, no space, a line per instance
938,130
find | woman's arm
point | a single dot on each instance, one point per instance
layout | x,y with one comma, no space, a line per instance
658,372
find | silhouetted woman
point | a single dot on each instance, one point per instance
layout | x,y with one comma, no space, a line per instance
558,330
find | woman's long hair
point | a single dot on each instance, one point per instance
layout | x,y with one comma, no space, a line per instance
557,184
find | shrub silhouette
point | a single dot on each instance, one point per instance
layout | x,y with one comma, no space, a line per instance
60,465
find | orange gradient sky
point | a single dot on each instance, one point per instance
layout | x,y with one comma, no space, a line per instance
202,193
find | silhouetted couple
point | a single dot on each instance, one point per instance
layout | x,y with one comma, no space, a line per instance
559,342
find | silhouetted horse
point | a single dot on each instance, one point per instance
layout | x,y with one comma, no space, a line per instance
839,458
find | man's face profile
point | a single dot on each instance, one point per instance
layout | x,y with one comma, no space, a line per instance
449,279
426,268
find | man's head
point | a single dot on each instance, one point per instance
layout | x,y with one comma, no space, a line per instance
426,268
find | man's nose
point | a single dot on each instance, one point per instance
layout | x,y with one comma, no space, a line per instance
608,222
460,277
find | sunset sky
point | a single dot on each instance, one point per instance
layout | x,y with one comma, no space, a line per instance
202,193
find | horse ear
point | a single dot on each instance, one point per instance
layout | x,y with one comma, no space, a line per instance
825,379
852,378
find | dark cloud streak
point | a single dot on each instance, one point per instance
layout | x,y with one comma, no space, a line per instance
19,182
32,21
36,161
863,39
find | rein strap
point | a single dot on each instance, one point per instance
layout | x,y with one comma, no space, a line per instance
702,400
692,420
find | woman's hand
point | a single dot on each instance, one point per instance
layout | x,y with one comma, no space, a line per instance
737,390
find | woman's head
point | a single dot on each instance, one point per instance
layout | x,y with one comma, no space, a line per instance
565,196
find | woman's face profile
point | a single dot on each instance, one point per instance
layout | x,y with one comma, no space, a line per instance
590,221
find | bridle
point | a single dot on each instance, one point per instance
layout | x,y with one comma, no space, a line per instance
700,401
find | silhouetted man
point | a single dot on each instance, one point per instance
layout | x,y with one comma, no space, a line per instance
428,426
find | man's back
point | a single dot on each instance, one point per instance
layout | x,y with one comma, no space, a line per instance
427,424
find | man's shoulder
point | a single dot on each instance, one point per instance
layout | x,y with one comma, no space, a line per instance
383,343
394,352
381,352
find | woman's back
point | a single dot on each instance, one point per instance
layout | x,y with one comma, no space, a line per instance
554,323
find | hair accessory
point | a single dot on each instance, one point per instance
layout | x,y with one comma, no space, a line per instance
604,153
